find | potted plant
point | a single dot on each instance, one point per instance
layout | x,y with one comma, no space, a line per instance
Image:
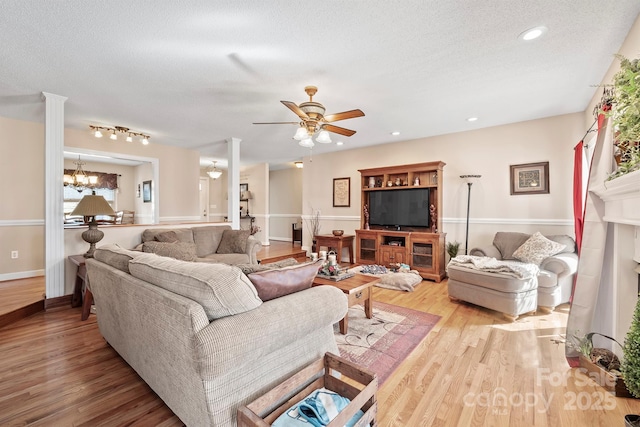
452,249
601,363
625,116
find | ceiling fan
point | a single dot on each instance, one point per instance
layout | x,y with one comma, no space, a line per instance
314,121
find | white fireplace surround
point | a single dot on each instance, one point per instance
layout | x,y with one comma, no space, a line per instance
619,281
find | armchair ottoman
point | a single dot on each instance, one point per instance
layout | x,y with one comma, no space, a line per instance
512,295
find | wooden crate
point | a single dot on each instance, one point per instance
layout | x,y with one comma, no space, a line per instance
355,383
598,374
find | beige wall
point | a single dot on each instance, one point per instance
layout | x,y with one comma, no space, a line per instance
285,202
487,152
22,205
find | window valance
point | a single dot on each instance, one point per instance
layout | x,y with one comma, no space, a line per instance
105,180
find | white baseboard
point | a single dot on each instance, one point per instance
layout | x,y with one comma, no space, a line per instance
21,275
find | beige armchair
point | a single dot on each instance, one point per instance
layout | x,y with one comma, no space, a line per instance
512,295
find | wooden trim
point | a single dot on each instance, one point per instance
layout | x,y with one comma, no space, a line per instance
21,313
57,302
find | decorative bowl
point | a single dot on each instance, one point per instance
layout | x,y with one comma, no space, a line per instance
338,232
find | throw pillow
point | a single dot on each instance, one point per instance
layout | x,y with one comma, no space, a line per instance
179,250
115,256
221,289
167,236
276,283
233,242
536,249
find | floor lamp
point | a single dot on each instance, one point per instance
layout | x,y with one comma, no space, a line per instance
469,179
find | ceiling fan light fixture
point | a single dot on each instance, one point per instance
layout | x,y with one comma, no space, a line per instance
307,143
323,137
301,133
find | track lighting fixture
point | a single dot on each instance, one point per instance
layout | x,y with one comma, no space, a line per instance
115,130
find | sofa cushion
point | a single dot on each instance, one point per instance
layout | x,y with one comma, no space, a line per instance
275,283
508,241
184,234
179,250
233,242
207,239
537,248
167,236
221,289
115,256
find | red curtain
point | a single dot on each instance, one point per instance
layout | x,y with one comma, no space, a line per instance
578,202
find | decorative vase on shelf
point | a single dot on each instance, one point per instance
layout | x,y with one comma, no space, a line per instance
372,182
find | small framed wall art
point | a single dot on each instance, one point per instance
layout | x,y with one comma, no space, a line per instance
146,191
341,192
529,178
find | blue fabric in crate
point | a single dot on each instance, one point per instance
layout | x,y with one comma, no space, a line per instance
317,410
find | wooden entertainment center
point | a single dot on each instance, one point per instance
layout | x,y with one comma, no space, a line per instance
422,248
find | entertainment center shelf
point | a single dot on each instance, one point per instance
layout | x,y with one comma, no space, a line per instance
410,235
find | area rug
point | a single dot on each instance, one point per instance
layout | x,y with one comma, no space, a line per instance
384,341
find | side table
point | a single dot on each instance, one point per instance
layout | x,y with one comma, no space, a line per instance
81,287
337,242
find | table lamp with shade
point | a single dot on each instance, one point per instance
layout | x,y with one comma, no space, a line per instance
91,206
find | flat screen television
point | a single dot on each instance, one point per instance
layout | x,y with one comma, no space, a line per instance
403,208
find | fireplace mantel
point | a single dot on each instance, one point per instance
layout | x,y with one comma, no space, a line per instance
622,199
619,286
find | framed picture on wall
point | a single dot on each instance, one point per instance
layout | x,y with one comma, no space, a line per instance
243,191
146,191
529,178
342,192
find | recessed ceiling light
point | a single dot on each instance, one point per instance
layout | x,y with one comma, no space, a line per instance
395,133
339,143
472,119
532,33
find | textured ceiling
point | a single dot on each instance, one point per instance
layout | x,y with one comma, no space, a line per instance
193,73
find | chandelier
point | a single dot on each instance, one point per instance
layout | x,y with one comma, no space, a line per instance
117,130
213,172
79,180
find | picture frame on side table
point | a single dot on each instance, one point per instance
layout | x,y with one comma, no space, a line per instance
341,192
529,178
146,191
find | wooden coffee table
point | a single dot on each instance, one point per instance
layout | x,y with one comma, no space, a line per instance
358,289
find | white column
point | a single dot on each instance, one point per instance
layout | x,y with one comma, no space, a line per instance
233,182
54,211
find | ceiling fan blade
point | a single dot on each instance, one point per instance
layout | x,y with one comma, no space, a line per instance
339,130
276,123
294,107
351,114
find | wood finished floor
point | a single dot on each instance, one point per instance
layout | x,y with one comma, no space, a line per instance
473,369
